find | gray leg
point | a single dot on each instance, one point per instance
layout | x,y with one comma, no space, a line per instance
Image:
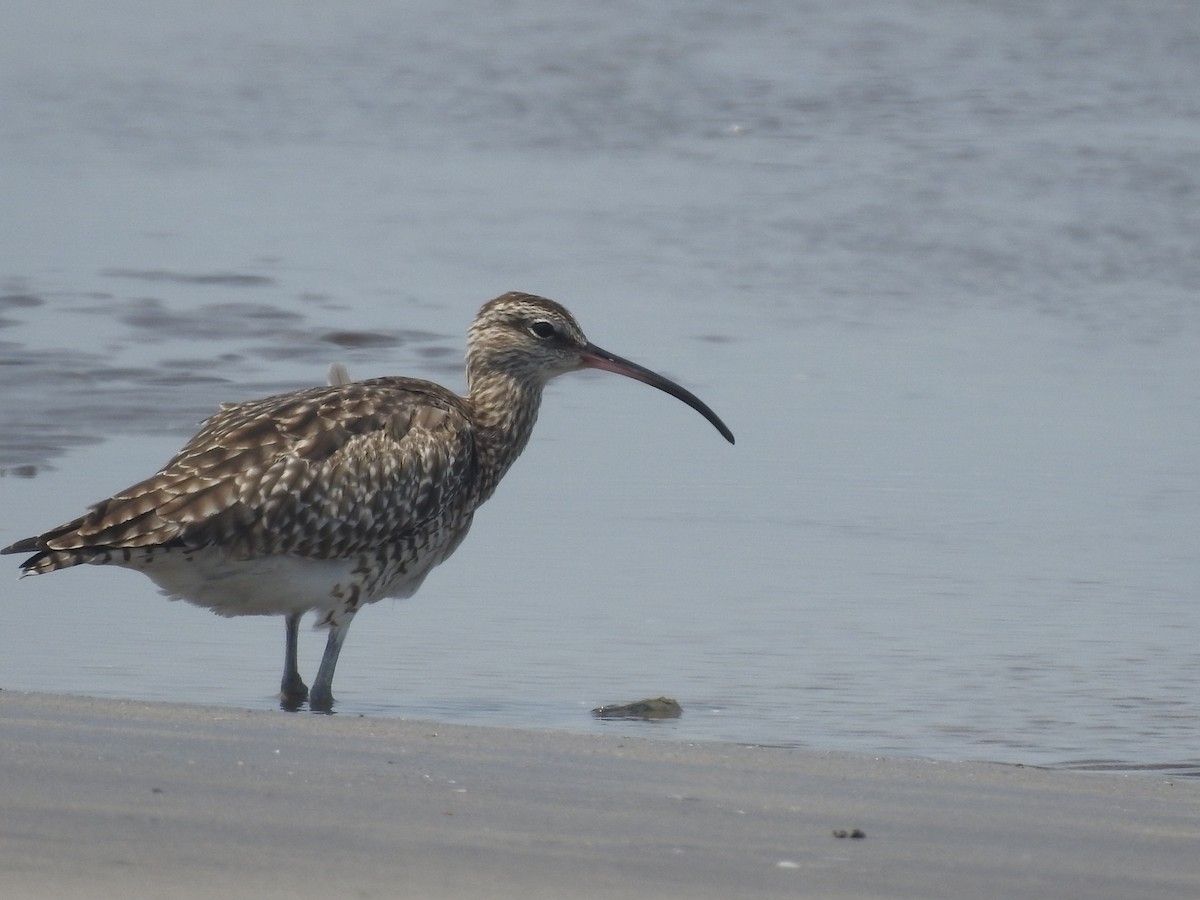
292,690
321,697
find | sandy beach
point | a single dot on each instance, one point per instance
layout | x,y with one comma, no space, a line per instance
125,799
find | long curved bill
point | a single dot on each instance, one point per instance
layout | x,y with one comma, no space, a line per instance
594,357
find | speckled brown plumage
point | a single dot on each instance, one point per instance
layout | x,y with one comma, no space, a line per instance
324,472
333,497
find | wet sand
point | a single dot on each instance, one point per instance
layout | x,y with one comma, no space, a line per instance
123,799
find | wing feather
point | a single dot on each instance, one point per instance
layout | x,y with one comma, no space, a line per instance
325,472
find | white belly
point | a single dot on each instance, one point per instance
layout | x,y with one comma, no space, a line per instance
282,584
269,586
273,585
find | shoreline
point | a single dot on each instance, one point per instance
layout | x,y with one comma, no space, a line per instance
114,798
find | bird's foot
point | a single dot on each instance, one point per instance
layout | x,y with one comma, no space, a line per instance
292,693
321,702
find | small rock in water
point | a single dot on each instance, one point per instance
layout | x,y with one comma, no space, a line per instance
856,833
658,708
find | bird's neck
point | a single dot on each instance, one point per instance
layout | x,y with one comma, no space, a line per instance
505,410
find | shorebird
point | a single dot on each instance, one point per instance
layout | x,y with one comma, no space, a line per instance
330,498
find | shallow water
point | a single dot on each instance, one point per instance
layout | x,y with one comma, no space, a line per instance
934,263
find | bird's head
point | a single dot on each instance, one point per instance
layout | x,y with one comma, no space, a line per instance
532,339
529,338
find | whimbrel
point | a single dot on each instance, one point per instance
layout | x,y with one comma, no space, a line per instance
330,498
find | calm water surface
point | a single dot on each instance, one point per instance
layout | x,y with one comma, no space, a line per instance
935,263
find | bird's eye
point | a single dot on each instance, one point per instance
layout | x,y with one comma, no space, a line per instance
542,329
